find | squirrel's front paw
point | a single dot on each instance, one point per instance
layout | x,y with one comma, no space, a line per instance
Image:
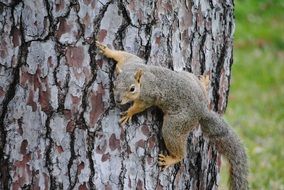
101,47
166,161
125,117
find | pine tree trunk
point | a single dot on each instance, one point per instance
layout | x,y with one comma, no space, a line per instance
58,121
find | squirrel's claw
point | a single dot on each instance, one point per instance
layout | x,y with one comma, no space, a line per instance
101,47
166,161
161,161
125,117
123,113
161,156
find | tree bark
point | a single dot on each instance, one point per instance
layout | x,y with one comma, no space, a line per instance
58,121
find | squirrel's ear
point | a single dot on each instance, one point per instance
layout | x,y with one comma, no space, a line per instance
138,75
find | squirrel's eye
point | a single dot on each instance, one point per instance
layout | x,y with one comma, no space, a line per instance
132,89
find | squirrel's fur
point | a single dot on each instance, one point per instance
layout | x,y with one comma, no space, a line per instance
182,98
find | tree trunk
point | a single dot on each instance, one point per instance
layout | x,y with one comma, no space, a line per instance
58,121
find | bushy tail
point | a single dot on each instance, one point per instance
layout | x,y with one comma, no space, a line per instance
229,145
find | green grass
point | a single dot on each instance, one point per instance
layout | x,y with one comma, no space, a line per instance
256,101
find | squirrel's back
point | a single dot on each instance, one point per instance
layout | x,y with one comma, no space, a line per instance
176,89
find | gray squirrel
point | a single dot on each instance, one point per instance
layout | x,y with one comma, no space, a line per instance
182,98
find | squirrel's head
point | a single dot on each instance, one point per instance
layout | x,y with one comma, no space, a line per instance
127,86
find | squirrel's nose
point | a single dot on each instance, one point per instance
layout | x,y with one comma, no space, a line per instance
118,101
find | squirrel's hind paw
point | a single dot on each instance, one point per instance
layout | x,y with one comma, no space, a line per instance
166,161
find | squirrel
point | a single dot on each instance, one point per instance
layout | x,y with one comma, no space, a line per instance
182,98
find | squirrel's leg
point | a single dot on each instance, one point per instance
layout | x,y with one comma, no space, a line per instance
175,142
137,107
119,56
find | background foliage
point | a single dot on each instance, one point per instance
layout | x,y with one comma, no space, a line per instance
256,101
